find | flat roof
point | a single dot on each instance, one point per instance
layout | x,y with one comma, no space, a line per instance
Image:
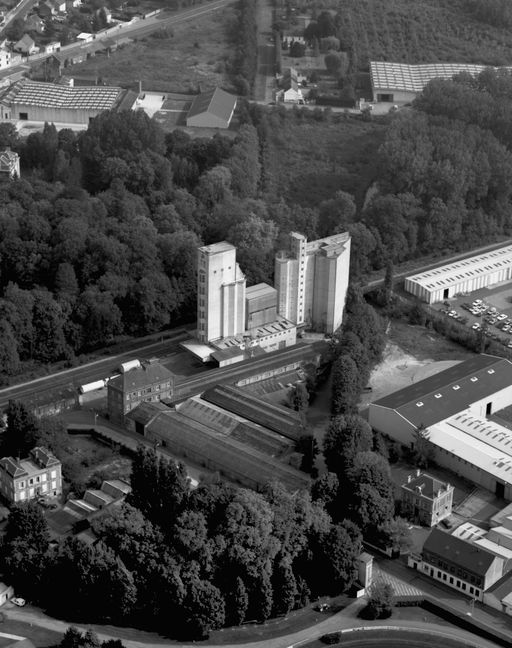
413,78
53,95
450,391
454,273
259,290
217,248
200,350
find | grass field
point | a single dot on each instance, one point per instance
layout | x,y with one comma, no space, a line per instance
191,55
40,637
419,31
314,159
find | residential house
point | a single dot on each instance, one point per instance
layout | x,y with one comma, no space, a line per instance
9,164
25,479
458,563
51,48
35,23
85,37
26,45
425,499
59,5
290,91
5,58
149,383
73,4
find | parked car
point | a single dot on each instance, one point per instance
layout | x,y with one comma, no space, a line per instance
501,317
476,326
20,602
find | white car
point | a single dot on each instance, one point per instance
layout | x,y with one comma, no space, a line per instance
20,602
501,317
476,326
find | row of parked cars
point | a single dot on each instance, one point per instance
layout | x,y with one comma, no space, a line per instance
490,315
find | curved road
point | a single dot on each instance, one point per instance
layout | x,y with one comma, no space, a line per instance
346,619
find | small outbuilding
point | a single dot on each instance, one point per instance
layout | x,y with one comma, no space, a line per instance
212,109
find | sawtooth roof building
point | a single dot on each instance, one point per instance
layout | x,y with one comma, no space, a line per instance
401,82
28,100
462,276
212,109
455,407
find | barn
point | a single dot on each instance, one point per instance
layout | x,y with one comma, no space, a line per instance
462,276
399,83
54,103
212,109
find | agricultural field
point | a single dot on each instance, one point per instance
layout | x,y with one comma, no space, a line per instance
189,56
315,159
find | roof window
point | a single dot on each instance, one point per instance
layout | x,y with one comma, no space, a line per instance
490,371
474,379
438,396
455,387
419,404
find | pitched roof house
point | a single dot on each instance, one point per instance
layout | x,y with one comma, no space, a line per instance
212,109
26,45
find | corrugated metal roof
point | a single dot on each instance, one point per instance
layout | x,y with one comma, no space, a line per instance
216,102
413,78
467,269
53,95
451,391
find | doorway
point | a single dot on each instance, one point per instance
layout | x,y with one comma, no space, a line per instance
445,293
488,409
500,490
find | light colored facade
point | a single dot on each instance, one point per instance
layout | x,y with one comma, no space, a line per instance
221,293
149,383
458,563
425,499
25,479
401,83
453,406
312,280
462,276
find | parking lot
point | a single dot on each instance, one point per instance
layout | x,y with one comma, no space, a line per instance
488,310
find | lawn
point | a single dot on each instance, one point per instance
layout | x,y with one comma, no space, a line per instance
40,637
420,31
312,160
188,57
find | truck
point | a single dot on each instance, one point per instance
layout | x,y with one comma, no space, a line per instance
128,366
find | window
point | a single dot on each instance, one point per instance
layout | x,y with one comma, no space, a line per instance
54,484
21,484
54,474
31,481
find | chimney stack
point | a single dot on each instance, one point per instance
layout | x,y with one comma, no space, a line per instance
418,472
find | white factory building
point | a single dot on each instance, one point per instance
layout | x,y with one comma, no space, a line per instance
455,407
311,279
462,276
400,83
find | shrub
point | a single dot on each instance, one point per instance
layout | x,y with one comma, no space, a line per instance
331,638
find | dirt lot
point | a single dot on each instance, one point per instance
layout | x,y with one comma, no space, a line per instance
189,56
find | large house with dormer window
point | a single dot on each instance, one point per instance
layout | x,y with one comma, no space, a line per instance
37,476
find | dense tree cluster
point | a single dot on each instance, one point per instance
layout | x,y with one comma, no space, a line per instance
246,47
187,561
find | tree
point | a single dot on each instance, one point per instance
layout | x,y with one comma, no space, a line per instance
203,610
22,431
284,587
424,452
397,535
297,49
380,601
25,550
325,489
346,385
338,553
346,437
9,357
261,597
333,63
307,445
237,602
299,397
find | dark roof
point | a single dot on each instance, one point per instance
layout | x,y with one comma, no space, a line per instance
280,419
12,467
216,102
145,412
44,457
450,391
429,485
185,436
149,373
462,553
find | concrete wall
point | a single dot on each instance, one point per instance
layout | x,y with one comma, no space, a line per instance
499,400
279,340
54,115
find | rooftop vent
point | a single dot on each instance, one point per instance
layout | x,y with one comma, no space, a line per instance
456,387
419,404
438,396
474,379
490,371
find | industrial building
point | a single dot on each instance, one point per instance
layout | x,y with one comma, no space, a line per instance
312,281
463,276
148,383
454,407
54,103
212,109
400,83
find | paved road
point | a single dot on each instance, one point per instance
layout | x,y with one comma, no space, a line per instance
136,30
